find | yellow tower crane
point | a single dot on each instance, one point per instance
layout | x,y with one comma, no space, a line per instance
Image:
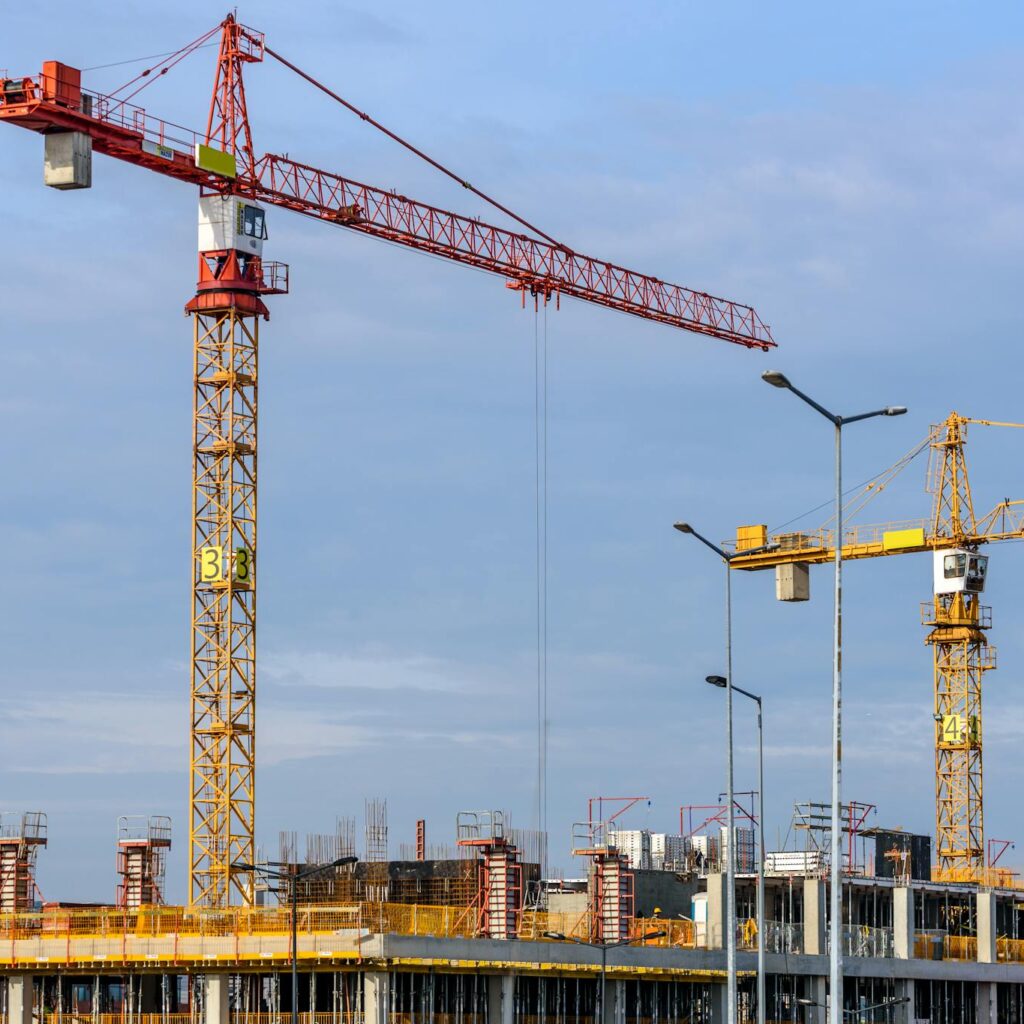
957,619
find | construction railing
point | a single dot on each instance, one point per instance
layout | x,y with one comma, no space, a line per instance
960,947
862,940
679,933
1010,950
358,919
285,1017
156,922
535,923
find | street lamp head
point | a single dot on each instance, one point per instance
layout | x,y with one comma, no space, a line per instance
653,935
719,681
244,867
557,936
343,862
776,378
895,410
683,527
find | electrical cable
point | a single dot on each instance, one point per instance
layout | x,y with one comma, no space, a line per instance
412,149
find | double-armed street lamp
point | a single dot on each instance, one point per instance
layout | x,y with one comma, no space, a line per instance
603,947
730,862
780,380
293,878
862,1009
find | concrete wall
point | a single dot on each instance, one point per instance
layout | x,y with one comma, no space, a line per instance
664,889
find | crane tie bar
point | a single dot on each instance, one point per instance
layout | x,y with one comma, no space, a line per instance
412,149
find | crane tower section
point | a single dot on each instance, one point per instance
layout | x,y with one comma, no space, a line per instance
226,314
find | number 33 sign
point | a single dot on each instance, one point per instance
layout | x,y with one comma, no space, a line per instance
211,564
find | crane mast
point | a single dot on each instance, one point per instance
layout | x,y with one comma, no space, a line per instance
226,312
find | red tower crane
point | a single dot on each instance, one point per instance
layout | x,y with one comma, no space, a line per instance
227,308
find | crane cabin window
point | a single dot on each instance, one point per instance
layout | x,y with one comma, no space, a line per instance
254,222
954,567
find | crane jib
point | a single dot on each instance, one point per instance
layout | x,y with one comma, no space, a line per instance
129,133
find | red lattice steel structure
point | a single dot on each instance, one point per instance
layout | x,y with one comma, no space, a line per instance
122,130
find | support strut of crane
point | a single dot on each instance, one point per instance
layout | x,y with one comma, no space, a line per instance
226,312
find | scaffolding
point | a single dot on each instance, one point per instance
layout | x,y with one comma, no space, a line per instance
21,836
142,845
609,881
499,898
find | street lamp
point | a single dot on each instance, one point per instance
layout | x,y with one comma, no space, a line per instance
780,380
730,868
722,682
295,877
603,947
861,1009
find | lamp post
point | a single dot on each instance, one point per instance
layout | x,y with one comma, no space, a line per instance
295,877
780,380
723,683
730,863
603,947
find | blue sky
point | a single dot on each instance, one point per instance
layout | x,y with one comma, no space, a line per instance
854,174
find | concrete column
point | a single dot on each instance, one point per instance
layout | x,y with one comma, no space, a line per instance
501,996
987,1002
986,929
815,914
903,922
717,906
215,999
719,1004
375,997
615,1002
20,997
905,1011
149,993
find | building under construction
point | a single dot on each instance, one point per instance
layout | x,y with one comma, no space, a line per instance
475,933
478,935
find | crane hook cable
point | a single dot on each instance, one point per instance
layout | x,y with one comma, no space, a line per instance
412,149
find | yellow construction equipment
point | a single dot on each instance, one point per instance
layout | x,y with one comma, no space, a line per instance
956,617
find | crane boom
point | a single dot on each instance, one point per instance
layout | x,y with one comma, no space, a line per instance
129,133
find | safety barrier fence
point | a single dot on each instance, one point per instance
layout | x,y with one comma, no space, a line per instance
939,946
357,920
862,940
1010,950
